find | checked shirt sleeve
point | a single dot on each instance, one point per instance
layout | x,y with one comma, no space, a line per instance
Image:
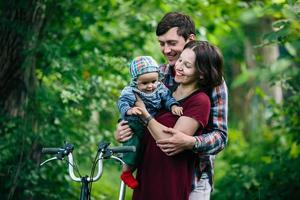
215,139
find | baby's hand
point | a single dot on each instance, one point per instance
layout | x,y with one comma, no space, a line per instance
134,111
177,110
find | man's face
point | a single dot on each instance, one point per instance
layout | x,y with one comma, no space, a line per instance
171,45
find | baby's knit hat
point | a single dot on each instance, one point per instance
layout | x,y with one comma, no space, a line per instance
142,65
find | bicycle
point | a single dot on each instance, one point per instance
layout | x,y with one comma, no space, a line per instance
103,152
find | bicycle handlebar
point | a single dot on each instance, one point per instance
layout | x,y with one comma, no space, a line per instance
104,152
52,150
123,149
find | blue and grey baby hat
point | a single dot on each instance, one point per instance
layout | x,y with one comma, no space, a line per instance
142,65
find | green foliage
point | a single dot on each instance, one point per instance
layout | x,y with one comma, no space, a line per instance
261,169
82,65
266,167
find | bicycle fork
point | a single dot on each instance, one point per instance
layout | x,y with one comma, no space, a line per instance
84,192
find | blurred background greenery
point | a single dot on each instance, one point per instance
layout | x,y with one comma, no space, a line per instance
64,63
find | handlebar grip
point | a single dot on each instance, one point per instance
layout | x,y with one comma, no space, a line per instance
123,149
51,150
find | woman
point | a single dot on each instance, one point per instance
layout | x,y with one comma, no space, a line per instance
163,177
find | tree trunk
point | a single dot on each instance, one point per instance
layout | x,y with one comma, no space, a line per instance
20,26
254,58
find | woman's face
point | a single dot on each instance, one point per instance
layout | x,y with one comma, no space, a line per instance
185,68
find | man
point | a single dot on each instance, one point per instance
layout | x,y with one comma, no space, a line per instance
173,32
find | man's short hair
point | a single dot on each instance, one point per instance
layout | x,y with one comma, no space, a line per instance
185,24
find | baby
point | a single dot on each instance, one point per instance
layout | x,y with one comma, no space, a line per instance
145,82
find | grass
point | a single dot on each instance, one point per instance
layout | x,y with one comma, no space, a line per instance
107,188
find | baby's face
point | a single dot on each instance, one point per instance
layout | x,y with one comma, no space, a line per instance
147,83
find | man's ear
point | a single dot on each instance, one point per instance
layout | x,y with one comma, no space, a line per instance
191,37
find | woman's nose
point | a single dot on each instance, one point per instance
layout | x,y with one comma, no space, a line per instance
178,66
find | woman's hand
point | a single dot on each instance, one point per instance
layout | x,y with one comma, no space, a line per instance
123,132
177,143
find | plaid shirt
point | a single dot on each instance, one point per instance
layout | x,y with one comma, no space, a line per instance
214,138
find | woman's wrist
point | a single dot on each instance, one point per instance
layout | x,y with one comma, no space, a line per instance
147,120
145,113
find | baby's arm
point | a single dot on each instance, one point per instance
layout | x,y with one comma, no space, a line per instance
126,101
134,111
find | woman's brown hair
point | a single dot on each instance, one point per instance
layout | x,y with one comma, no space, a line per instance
209,62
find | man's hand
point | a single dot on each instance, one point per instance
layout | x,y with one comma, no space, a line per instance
177,110
177,143
123,132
